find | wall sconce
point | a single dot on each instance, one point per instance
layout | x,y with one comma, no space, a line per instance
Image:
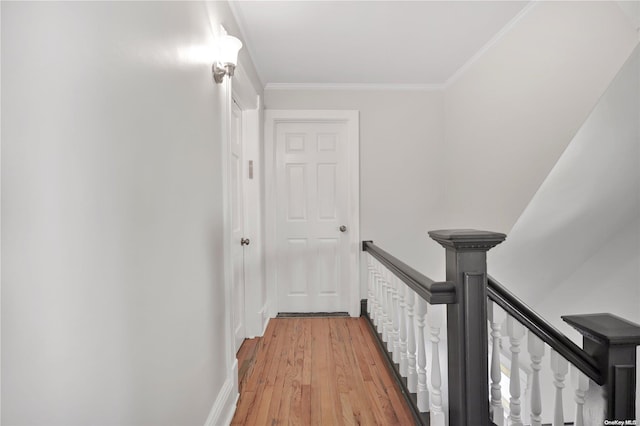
227,48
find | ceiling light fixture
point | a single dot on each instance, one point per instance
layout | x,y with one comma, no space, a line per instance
227,48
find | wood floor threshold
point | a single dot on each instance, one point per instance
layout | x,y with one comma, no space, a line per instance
246,359
312,315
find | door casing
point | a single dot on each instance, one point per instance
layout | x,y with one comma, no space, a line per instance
351,118
250,103
237,201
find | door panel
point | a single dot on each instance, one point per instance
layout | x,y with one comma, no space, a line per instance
312,204
296,183
328,258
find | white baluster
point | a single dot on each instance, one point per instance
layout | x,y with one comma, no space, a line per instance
370,289
388,325
515,331
423,394
535,347
402,292
559,366
581,385
380,298
412,377
395,320
384,329
496,317
376,300
434,315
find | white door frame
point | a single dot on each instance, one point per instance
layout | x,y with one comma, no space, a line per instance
351,118
249,102
237,250
240,88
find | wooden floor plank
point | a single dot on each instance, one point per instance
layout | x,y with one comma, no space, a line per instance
278,376
384,381
290,387
305,403
246,359
320,371
264,373
363,412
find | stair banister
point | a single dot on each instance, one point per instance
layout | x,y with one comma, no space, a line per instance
608,356
545,331
466,268
612,342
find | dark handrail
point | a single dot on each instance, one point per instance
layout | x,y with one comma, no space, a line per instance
436,293
545,331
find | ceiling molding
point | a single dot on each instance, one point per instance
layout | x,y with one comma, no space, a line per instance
237,14
353,86
508,27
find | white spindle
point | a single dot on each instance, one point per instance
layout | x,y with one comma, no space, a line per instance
376,290
581,385
434,315
388,325
384,328
535,347
412,377
423,394
402,292
395,319
381,298
516,332
496,317
370,289
559,366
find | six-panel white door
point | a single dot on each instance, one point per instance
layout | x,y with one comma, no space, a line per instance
312,205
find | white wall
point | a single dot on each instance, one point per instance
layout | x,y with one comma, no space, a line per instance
477,160
591,195
514,110
605,282
576,247
401,143
113,306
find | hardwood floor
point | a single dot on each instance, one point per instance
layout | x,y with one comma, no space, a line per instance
320,371
246,360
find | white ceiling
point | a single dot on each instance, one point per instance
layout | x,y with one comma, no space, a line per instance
367,42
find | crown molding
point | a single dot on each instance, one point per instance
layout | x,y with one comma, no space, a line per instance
353,86
508,27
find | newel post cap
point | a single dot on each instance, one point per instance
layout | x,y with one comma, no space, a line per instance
467,239
605,328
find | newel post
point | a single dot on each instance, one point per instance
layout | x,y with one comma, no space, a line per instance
466,267
612,341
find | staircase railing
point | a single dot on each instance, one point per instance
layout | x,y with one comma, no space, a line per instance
403,304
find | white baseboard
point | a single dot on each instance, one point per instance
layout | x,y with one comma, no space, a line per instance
224,406
264,312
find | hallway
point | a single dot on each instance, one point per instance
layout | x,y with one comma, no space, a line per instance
320,371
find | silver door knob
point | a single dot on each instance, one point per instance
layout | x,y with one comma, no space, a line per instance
244,241
343,228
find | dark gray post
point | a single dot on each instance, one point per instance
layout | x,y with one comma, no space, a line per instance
612,341
466,261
